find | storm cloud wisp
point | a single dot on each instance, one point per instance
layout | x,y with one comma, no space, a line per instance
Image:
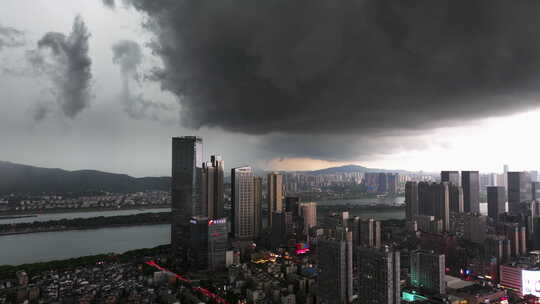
65,60
10,37
128,55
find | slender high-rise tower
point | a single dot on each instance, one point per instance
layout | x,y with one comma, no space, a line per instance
257,184
434,199
378,275
519,190
243,203
219,198
370,233
335,281
496,199
456,198
411,200
187,159
212,188
470,181
308,212
275,195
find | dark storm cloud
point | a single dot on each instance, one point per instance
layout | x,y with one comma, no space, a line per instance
312,66
66,61
40,111
10,37
109,3
128,55
341,147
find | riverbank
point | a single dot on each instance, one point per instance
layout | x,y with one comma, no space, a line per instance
29,213
80,228
86,223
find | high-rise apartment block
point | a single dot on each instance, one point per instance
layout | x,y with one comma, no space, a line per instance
275,194
282,228
519,190
308,212
212,188
470,182
496,201
428,223
434,199
428,271
243,203
292,204
535,190
456,198
378,275
335,280
370,233
411,200
257,188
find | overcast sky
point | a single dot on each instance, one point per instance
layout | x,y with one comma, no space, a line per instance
286,84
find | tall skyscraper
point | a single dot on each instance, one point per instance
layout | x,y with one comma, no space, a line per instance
243,203
257,184
496,200
392,183
370,233
470,182
378,276
411,200
505,177
428,271
208,183
335,279
275,195
519,190
382,185
212,188
208,243
535,190
308,211
187,159
219,187
282,228
456,198
450,176
434,199
292,204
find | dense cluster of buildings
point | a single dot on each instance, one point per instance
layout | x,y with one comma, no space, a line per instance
273,248
498,247
369,182
202,236
355,261
104,282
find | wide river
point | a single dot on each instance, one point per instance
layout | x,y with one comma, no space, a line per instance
47,246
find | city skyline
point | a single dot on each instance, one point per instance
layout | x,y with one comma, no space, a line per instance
123,124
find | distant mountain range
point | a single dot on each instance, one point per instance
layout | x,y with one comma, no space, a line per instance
17,178
352,168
